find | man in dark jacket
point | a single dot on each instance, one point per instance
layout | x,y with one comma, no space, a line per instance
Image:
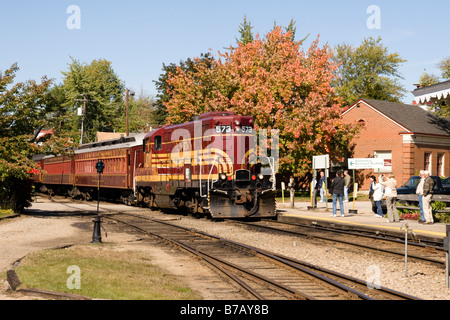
337,190
428,186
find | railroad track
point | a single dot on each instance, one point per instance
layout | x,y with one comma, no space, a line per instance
262,274
430,253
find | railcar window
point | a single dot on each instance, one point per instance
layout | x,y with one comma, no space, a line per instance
158,142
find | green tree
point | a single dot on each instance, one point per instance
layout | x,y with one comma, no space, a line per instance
141,114
164,89
292,29
368,71
245,31
103,91
24,111
428,79
444,65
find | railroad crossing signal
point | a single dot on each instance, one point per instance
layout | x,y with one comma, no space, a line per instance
100,166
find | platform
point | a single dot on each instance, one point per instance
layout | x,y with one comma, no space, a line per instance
364,218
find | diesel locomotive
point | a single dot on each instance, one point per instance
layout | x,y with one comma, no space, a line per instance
208,166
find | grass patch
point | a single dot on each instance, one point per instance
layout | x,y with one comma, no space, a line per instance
6,213
104,274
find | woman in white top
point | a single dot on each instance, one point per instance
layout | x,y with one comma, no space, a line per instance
377,195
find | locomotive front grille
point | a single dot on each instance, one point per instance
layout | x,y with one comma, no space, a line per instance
242,175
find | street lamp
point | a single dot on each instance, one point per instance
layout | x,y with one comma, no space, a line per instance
96,235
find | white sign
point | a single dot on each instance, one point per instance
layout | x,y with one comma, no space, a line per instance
369,163
321,162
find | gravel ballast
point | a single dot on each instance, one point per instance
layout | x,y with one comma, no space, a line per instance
423,280
23,235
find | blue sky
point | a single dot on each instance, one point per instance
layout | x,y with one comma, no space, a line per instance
139,36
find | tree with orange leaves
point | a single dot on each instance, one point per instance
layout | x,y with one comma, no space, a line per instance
283,87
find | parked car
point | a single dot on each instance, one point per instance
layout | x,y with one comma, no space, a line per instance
410,186
446,184
407,193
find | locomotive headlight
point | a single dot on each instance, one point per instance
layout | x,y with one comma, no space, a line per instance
237,122
223,176
260,176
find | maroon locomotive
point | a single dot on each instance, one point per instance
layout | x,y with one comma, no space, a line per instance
207,166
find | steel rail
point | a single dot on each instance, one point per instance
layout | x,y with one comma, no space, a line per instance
214,261
287,261
309,235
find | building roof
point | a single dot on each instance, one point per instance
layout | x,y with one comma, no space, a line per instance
412,118
436,91
103,136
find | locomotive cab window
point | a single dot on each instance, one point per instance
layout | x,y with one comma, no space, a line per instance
158,142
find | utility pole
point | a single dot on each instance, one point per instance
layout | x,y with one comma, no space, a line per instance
128,93
85,100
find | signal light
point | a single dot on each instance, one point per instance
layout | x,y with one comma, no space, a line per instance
230,178
253,177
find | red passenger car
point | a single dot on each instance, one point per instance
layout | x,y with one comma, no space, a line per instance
77,176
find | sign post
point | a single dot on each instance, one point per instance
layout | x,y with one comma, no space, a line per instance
96,235
322,162
361,164
447,255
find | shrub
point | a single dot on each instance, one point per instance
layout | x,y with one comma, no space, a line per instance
440,216
15,194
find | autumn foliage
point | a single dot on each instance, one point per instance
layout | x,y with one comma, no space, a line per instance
283,87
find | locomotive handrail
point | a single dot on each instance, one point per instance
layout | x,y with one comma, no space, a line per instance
210,171
274,181
209,176
200,176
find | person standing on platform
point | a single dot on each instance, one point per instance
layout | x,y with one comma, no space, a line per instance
322,186
378,196
337,190
419,192
373,181
347,180
428,186
390,192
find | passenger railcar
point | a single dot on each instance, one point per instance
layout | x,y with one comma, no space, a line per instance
76,175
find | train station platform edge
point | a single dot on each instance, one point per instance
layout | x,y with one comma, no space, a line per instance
364,217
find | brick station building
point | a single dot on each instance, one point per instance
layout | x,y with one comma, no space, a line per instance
407,136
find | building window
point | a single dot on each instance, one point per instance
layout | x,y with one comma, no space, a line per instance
427,162
387,156
440,165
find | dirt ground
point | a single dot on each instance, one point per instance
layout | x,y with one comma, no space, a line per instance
35,232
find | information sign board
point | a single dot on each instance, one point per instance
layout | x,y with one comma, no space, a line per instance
321,162
368,163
